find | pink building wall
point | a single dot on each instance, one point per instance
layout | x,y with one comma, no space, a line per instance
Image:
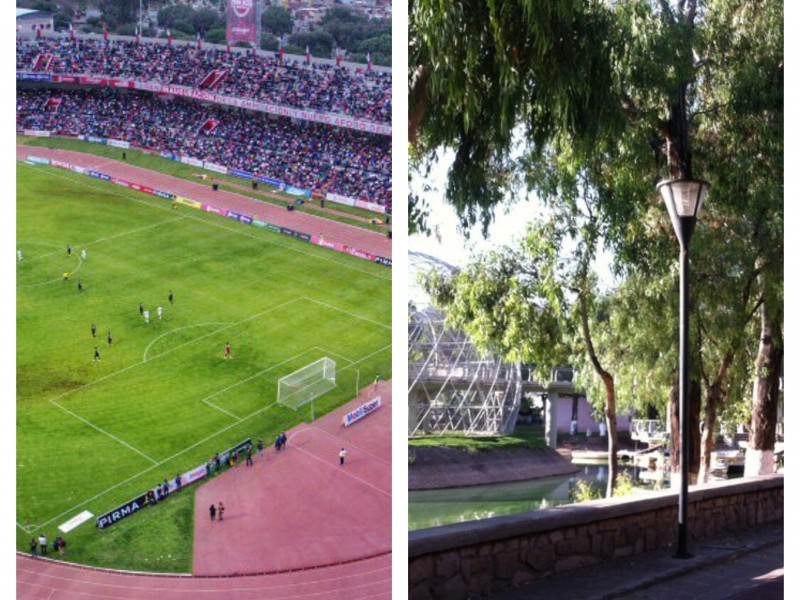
585,420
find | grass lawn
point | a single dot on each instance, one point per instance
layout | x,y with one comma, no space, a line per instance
523,437
155,162
161,400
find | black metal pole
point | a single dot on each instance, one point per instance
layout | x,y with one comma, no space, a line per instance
683,496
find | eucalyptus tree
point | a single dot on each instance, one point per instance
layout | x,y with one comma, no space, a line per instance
611,97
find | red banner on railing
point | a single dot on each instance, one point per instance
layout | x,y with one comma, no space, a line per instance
244,23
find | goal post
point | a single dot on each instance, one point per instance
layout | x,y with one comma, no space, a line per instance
306,384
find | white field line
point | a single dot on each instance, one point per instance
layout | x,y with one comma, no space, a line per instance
98,241
146,350
227,326
360,360
177,454
346,312
326,352
328,462
103,431
246,379
321,256
313,427
128,368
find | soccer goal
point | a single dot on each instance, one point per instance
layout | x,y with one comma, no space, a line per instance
306,384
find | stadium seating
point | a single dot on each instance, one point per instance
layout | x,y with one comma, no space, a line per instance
305,154
358,93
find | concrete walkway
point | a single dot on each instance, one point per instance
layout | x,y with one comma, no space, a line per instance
744,565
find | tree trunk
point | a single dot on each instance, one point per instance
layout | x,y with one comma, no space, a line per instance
713,398
675,427
760,457
695,400
694,431
611,397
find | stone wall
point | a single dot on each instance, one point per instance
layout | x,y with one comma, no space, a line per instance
473,559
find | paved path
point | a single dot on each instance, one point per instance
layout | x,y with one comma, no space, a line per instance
744,565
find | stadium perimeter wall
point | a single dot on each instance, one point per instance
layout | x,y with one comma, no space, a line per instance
474,559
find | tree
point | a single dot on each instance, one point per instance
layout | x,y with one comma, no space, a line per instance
523,303
119,12
320,43
206,19
277,20
608,96
177,17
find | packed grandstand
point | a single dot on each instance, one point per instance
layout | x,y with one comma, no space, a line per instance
116,90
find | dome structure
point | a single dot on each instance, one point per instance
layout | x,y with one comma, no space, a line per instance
452,387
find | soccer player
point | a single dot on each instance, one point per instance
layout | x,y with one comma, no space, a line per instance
96,353
19,255
342,455
80,285
66,275
141,309
110,339
170,297
228,350
69,250
159,311
94,330
83,254
146,315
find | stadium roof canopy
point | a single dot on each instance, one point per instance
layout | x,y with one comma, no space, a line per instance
24,12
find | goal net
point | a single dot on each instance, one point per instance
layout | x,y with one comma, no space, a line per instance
308,383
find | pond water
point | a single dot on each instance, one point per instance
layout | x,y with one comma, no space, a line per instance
432,508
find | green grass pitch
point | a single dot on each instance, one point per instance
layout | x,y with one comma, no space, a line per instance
161,399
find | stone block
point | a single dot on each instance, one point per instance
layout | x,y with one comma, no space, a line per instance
420,569
570,563
455,587
621,551
650,540
419,592
447,565
542,559
505,564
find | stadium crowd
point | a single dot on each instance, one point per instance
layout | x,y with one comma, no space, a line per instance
358,93
305,154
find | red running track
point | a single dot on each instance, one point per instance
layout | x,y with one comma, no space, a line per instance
299,524
332,231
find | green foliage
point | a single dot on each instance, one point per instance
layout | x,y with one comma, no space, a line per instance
276,20
584,492
118,12
319,42
625,485
350,27
177,18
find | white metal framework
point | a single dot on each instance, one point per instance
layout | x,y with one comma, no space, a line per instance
452,387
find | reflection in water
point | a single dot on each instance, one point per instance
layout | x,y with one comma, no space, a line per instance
432,508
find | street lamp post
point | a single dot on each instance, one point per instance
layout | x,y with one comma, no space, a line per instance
684,198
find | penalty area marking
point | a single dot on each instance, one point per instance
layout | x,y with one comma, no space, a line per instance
346,312
185,450
146,350
226,326
246,379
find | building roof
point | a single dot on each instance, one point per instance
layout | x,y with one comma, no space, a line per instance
23,13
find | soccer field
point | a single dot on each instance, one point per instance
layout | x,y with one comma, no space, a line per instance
162,399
